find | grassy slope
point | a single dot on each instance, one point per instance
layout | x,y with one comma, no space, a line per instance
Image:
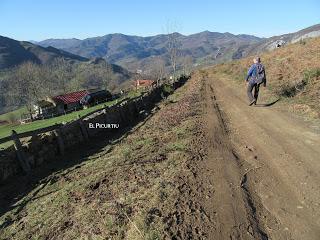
13,114
286,67
126,192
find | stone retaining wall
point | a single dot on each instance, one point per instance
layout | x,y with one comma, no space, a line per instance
46,147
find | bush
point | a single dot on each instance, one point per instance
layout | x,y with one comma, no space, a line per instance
12,118
293,88
167,89
302,41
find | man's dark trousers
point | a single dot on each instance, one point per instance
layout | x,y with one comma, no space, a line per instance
255,87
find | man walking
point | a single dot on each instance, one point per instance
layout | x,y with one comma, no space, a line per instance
255,77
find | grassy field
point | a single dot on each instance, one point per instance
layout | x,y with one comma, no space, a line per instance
13,114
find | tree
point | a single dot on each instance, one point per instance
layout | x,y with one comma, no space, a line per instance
27,85
158,69
107,74
187,64
63,73
173,47
88,75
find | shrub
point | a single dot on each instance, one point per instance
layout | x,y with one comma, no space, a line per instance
302,41
167,89
12,118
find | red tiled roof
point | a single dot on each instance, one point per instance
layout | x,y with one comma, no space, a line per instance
72,97
143,82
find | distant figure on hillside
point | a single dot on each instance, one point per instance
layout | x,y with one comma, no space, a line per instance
255,77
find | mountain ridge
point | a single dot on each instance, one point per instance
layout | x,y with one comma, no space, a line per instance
136,52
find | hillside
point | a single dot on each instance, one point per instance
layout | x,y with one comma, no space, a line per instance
79,72
13,53
283,40
206,47
293,74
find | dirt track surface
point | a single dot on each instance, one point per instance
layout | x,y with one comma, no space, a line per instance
265,168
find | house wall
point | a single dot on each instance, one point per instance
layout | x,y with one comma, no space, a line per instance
72,106
60,108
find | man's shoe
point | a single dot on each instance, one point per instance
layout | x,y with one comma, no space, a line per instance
252,102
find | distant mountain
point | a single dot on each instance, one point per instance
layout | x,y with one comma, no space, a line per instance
137,52
13,53
134,52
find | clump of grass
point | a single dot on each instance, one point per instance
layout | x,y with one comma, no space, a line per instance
144,142
291,89
177,146
126,152
311,74
302,41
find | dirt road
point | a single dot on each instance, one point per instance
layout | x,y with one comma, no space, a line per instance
265,168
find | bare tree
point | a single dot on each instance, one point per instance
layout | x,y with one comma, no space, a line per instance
173,47
158,69
108,75
63,73
187,64
27,85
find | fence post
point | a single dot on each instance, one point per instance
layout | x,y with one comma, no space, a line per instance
58,134
20,153
84,130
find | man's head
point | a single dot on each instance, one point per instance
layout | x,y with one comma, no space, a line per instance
256,60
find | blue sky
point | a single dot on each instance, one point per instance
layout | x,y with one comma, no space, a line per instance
39,20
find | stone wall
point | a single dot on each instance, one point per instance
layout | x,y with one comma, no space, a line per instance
42,148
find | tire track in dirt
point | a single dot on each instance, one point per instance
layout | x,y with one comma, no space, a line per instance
214,200
189,218
232,203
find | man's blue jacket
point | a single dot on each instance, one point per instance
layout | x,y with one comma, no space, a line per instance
252,73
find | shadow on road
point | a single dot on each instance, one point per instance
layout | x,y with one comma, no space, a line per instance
267,104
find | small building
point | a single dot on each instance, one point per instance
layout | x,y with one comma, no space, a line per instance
58,105
69,101
143,84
